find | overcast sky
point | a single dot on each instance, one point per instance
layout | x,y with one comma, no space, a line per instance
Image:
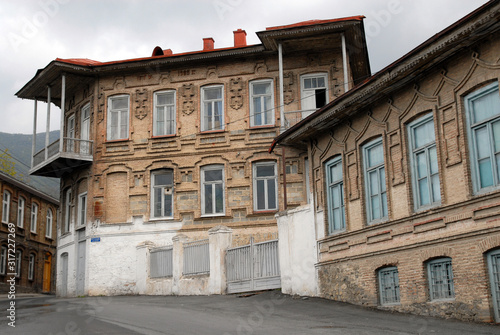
35,32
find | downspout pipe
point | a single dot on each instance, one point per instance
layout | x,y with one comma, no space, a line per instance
283,157
47,126
282,99
344,63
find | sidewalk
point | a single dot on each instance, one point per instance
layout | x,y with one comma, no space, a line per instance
4,297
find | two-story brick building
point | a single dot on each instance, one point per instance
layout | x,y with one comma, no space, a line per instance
178,143
406,180
27,237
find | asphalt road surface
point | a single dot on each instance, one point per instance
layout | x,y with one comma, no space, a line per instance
267,313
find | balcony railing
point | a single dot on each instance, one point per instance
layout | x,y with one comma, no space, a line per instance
73,149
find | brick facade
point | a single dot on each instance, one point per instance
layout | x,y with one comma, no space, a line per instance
39,243
463,225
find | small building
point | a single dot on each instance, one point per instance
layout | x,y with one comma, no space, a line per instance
177,143
27,237
406,180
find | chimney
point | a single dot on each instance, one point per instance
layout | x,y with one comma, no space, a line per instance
208,44
240,38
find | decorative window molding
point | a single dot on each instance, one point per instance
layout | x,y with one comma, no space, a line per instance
164,115
265,186
335,195
212,190
424,163
375,183
118,117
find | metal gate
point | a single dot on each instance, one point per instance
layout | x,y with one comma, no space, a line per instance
253,267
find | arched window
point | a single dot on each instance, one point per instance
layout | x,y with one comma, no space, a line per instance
48,224
388,280
440,275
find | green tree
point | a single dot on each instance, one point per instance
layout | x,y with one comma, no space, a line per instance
7,165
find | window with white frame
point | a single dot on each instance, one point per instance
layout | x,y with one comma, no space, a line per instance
85,130
335,195
70,134
483,119
374,175
67,211
48,223
265,186
212,190
31,267
20,212
313,92
82,209
164,113
424,162
162,193
34,217
440,275
261,103
118,118
5,206
388,279
19,260
3,260
212,108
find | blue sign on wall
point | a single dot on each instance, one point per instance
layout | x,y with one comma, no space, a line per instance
95,239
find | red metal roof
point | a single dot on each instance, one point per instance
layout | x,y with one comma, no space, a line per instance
314,22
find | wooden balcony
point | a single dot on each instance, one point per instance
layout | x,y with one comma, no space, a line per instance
51,161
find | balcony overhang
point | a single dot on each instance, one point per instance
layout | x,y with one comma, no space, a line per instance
60,164
51,162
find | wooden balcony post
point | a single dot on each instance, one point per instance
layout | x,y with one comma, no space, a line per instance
33,139
63,103
47,126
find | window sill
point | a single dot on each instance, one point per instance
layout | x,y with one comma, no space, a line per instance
262,213
437,301
266,126
33,232
159,220
338,232
209,132
159,137
210,216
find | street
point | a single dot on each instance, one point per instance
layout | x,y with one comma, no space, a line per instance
266,313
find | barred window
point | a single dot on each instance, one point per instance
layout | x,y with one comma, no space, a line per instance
389,285
441,279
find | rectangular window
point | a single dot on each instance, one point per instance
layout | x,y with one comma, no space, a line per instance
82,209
70,134
261,103
34,217
85,130
374,174
388,285
441,279
20,212
164,113
212,116
212,192
67,211
424,162
31,267
335,195
3,260
48,225
19,259
118,118
483,118
313,92
265,186
162,192
6,207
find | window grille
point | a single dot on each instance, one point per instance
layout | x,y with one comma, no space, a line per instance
441,279
196,257
161,262
389,285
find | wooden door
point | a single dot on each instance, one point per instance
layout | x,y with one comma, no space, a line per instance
47,270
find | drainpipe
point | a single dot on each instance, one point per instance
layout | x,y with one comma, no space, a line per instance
33,139
47,126
63,103
282,99
284,177
344,63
